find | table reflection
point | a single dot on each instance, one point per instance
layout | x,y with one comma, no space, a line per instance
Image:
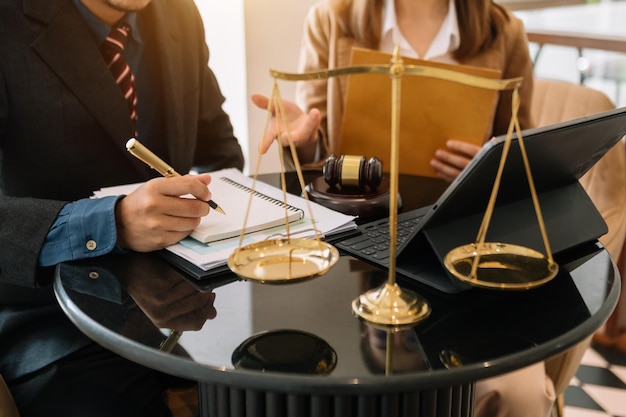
290,351
133,289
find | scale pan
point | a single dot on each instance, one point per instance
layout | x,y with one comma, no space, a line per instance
500,266
280,261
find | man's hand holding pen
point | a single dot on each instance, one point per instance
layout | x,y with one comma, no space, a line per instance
155,215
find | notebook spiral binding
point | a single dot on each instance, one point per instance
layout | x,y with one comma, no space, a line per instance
261,195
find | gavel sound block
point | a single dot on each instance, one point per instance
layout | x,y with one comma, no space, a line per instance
353,185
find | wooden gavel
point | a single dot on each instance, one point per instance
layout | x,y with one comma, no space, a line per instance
353,171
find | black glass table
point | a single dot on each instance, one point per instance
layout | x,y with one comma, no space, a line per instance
298,350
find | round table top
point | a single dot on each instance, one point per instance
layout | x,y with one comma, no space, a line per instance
304,337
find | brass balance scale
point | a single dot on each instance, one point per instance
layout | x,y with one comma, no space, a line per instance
484,264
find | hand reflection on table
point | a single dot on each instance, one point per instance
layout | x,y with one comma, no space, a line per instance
165,297
147,289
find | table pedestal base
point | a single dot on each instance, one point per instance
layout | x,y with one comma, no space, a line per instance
223,401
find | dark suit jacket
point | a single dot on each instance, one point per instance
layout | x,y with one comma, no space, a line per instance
64,125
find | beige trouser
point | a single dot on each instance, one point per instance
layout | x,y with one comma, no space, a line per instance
527,392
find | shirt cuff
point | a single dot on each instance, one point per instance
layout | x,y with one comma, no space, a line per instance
83,229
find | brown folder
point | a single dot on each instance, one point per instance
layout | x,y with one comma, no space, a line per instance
433,110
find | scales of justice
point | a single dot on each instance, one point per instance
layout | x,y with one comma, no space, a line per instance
495,265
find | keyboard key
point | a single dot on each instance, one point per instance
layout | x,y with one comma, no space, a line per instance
352,241
362,245
380,255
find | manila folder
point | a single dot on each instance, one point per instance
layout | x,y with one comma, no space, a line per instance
432,111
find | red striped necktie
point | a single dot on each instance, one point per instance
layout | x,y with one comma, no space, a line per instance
112,49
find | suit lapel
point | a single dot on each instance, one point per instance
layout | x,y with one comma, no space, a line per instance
68,47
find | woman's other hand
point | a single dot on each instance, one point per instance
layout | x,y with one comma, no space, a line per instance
449,162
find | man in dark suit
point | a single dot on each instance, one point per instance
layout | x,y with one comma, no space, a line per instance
64,123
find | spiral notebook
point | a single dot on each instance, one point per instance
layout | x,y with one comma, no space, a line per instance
265,212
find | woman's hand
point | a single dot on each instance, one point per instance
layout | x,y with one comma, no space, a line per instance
303,127
450,162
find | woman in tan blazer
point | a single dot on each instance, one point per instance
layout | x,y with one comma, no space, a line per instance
487,36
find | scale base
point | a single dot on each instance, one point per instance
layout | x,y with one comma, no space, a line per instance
390,305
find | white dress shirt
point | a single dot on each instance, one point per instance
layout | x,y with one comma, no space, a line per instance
447,40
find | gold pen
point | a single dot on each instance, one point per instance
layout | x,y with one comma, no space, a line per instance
146,155
168,344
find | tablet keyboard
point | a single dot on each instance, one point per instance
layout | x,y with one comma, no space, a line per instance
373,242
416,263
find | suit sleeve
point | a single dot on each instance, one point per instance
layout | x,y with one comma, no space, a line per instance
217,147
24,225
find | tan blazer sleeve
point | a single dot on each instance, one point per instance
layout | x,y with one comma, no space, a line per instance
517,64
511,56
315,55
